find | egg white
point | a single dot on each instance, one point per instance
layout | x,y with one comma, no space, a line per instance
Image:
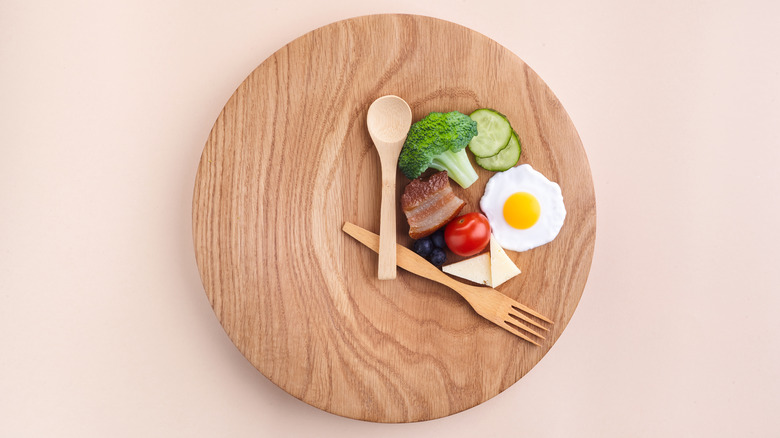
523,178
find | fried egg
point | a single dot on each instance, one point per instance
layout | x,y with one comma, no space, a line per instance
524,208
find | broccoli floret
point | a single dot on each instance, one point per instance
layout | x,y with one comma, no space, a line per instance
439,141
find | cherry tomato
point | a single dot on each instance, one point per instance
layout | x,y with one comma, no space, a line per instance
467,235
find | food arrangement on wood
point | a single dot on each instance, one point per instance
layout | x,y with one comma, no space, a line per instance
289,160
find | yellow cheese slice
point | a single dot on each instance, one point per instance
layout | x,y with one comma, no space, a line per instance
502,268
476,269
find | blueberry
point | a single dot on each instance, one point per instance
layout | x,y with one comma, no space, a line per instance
438,239
423,247
438,257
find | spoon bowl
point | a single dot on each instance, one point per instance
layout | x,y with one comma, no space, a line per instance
388,120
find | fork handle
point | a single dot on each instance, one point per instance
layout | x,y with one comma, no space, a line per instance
410,261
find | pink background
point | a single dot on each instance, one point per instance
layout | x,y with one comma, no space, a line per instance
104,326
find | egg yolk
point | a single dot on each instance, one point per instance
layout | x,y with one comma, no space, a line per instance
521,210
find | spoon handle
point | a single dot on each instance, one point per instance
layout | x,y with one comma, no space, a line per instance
387,226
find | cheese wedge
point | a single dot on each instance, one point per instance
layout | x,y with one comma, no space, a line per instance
502,268
476,269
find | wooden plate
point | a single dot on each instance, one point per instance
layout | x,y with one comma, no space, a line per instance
289,160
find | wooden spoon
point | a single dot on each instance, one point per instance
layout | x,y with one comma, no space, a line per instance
388,120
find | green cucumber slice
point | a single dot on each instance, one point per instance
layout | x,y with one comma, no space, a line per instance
493,132
505,159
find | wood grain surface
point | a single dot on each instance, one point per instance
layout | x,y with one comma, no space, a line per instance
289,160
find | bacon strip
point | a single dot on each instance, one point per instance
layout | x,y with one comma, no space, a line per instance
429,204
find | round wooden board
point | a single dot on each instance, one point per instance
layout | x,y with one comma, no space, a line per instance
289,160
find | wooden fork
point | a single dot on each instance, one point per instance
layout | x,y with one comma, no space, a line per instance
487,302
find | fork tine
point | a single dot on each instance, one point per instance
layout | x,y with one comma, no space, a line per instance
530,311
515,312
523,326
511,328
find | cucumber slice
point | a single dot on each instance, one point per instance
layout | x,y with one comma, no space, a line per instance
493,132
504,160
